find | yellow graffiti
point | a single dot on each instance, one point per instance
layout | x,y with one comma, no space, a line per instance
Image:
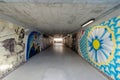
96,44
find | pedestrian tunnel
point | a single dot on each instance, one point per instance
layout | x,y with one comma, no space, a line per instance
60,40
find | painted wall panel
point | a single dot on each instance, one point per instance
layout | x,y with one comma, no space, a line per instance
100,45
12,46
46,42
33,44
74,42
68,41
79,36
17,46
36,43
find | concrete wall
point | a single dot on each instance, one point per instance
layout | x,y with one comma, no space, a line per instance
68,41
12,46
46,42
72,41
16,45
100,46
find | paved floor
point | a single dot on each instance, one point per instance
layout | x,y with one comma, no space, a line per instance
56,63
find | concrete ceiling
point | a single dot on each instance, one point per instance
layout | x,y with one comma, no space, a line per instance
54,16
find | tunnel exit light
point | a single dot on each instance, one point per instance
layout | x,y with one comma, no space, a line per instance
58,39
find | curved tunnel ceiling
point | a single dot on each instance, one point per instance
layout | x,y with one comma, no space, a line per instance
54,16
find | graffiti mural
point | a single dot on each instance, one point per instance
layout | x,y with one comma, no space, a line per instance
79,36
9,44
100,45
12,46
33,45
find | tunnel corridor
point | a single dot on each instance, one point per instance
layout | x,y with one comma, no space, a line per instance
59,39
56,63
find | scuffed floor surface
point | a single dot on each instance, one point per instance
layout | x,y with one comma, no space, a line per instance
56,63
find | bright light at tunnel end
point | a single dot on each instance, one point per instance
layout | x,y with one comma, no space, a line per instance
58,39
